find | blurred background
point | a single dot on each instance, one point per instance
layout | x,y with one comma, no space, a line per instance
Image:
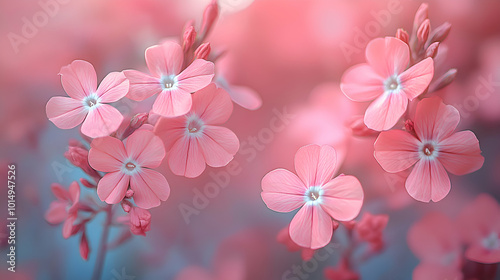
292,53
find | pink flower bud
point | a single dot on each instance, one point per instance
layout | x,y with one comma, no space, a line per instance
432,50
423,31
135,123
402,35
189,38
359,128
349,224
409,126
76,143
444,80
79,157
140,221
129,193
203,51
84,246
420,16
87,184
370,229
209,16
126,205
441,32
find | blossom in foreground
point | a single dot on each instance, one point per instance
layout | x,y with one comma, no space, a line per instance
194,140
65,208
386,79
436,242
433,148
87,102
173,86
319,197
130,164
480,229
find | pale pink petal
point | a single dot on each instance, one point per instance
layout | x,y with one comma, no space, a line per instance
186,158
283,191
417,78
213,105
478,253
434,120
150,187
311,227
428,181
396,150
172,103
315,165
460,153
68,226
59,192
170,130
245,97
56,213
385,111
79,79
107,154
387,56
102,121
142,85
342,198
165,59
361,83
475,219
113,88
65,112
112,187
74,192
196,76
218,145
146,148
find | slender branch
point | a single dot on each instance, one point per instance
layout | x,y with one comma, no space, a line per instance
101,253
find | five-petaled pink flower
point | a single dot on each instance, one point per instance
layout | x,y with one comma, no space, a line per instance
480,229
194,140
321,197
65,208
130,164
386,79
174,87
87,102
433,148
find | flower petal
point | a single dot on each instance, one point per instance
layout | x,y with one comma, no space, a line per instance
396,150
282,191
165,59
342,198
245,97
417,78
387,56
172,103
170,130
434,120
361,83
102,121
315,165
78,79
56,213
460,153
65,112
142,85
107,154
385,111
218,145
68,225
112,187
213,105
428,181
478,253
186,158
150,187
196,76
146,148
74,192
113,87
59,192
311,227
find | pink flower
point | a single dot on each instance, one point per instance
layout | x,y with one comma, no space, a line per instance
341,272
371,228
194,140
130,164
140,221
320,197
436,242
87,102
386,79
480,229
433,149
174,87
65,208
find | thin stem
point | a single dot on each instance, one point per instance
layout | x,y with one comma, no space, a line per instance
101,253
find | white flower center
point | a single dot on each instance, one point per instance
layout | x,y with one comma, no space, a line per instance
392,84
91,102
194,125
130,167
169,82
491,242
313,195
429,150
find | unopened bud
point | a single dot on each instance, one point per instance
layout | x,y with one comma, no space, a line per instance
87,183
402,35
420,16
203,51
79,157
432,50
84,247
136,122
129,193
440,33
409,126
209,16
189,38
423,31
359,128
126,205
445,80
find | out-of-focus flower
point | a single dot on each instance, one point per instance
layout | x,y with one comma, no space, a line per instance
140,221
480,229
84,246
173,86
65,208
194,140
320,197
371,228
386,79
285,239
341,272
130,164
434,149
436,242
87,102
